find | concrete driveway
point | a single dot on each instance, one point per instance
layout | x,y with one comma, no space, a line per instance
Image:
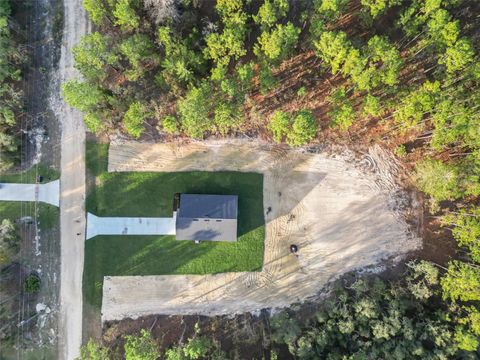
48,193
129,226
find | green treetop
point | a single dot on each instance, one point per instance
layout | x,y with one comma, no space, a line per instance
466,229
333,47
417,103
141,347
83,96
271,12
181,63
342,113
304,129
139,50
96,10
194,111
92,56
379,7
134,118
278,43
126,15
279,125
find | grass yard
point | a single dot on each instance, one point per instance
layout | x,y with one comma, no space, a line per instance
151,195
48,215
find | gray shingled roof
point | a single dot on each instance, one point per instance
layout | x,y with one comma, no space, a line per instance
207,217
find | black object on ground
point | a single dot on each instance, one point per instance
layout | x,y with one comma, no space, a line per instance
293,249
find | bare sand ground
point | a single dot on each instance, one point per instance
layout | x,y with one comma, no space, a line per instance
344,214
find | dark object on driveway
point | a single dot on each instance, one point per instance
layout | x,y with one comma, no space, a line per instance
293,249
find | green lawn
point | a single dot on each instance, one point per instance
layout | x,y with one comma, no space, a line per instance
151,194
47,214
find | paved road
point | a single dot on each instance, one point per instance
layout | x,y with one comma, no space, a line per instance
129,226
72,191
47,193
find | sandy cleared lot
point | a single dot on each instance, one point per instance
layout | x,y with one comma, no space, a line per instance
344,214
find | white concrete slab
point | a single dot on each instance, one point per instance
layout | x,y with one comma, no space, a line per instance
48,193
129,226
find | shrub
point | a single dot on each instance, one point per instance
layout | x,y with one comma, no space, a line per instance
227,117
304,129
302,91
93,351
279,125
458,56
9,241
278,43
134,118
342,114
141,347
194,110
417,103
96,10
378,7
92,55
331,8
266,79
438,179
181,63
245,73
461,282
270,12
83,96
138,50
169,124
400,151
372,106
93,122
466,231
333,47
32,284
125,14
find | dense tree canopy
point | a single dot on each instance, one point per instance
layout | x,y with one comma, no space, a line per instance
11,59
376,320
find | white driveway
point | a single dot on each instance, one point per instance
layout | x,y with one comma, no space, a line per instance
48,193
129,226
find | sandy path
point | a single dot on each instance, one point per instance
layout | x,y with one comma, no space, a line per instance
72,191
343,217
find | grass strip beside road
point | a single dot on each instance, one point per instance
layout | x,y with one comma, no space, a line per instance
48,215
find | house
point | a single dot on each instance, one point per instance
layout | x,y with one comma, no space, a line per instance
206,217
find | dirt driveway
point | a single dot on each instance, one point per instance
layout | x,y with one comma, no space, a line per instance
72,190
342,214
